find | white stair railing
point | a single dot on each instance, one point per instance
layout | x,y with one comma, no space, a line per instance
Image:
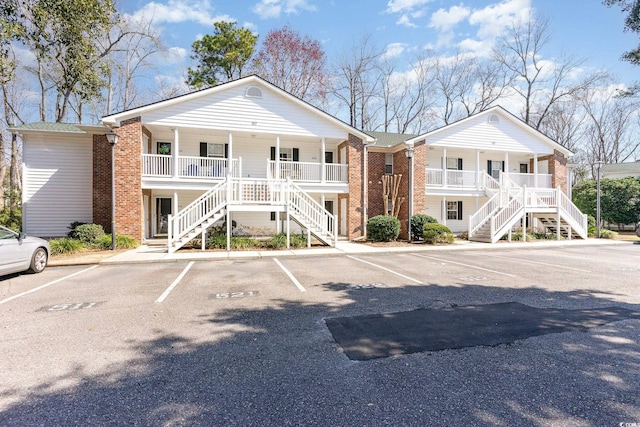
478,219
319,220
504,216
196,212
574,213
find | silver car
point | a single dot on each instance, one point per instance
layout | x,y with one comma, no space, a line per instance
19,252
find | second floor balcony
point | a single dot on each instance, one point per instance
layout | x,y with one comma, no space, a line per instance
477,179
189,168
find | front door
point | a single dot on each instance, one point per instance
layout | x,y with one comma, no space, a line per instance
328,156
163,210
328,205
524,168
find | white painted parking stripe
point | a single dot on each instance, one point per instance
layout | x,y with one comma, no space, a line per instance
166,293
291,276
465,265
385,269
47,284
543,263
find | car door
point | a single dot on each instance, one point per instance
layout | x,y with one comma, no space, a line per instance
14,256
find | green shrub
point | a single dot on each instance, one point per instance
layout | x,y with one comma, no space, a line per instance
279,241
88,233
437,233
72,229
11,218
237,243
65,245
591,221
122,242
608,234
417,222
383,228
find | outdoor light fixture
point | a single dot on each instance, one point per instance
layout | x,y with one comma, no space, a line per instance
599,166
112,138
409,154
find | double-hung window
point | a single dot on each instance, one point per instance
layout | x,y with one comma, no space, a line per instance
388,164
454,210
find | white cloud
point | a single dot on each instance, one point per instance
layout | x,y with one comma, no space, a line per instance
404,20
175,55
174,11
445,20
493,19
274,8
393,50
395,6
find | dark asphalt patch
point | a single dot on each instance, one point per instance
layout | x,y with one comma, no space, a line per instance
383,335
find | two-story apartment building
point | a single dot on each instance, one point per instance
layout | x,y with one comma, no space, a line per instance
250,155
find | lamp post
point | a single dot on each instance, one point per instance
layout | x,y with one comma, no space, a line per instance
112,137
409,154
599,163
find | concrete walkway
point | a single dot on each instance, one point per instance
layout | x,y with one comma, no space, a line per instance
149,254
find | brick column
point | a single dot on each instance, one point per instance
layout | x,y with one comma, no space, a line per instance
128,180
375,170
355,206
558,170
401,167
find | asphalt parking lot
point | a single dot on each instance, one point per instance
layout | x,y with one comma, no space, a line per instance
245,342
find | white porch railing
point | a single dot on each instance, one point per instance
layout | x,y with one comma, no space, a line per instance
157,165
529,180
308,172
469,178
162,166
478,219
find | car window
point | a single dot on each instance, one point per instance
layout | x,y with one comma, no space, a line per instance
6,234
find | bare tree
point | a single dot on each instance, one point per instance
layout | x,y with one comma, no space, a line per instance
540,83
611,123
356,82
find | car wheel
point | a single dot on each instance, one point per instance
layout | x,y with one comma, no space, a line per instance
38,261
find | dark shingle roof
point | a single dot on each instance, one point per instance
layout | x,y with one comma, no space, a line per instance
387,140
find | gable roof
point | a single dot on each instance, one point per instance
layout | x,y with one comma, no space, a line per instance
116,118
504,113
388,140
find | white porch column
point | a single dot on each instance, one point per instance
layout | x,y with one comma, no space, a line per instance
176,150
323,172
506,163
444,166
444,210
477,172
535,169
277,171
230,170
174,205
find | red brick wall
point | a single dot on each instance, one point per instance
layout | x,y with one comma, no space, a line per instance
355,206
128,180
419,177
558,170
375,171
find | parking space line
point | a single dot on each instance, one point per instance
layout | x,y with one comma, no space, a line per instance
542,263
288,273
386,269
167,291
47,284
465,265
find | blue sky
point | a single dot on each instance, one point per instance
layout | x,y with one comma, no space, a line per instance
585,28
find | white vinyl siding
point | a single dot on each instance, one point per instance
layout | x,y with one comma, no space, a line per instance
58,183
434,208
232,110
478,133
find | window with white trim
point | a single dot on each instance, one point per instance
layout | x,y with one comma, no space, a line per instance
454,163
215,150
454,210
388,164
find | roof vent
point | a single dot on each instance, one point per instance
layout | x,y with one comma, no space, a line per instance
494,119
253,92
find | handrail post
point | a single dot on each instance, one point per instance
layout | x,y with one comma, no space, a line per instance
169,233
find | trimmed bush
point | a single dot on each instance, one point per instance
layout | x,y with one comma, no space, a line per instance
279,241
608,234
122,242
88,233
72,229
383,228
417,223
437,233
65,245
